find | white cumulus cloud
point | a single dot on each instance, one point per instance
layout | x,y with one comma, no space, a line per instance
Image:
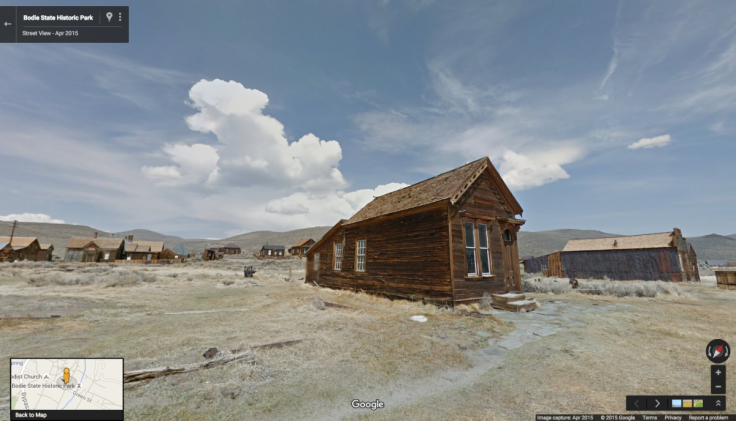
521,172
30,217
339,204
197,163
651,142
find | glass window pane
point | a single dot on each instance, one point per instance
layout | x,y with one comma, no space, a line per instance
470,258
482,236
485,266
469,235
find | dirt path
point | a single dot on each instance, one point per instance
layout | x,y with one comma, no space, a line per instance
555,316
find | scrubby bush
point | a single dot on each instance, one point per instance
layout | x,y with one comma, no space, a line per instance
119,278
544,285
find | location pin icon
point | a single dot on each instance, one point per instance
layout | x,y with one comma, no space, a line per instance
109,16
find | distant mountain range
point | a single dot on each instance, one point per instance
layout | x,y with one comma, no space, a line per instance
712,246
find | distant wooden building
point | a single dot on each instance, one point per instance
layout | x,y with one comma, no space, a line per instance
45,252
448,239
82,249
212,254
20,248
726,277
231,249
301,247
664,256
143,250
272,252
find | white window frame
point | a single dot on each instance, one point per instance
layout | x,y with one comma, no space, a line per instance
107,256
269,252
338,248
485,250
360,252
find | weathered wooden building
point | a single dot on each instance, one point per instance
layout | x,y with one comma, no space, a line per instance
45,252
20,248
272,252
143,250
230,249
448,239
725,277
301,247
664,256
82,249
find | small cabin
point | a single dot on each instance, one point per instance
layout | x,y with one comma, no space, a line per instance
45,252
143,250
20,248
449,239
84,249
230,249
272,252
301,247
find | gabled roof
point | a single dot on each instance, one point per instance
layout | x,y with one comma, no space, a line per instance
231,246
108,243
326,237
144,246
274,247
102,243
646,241
21,242
180,249
3,244
446,186
78,242
302,242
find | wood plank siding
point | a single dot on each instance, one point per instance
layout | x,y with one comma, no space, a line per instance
420,252
405,257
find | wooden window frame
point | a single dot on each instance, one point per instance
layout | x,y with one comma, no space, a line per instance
477,250
316,262
358,255
337,260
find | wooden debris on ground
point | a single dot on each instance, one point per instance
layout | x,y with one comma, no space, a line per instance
214,352
152,373
207,311
516,302
30,317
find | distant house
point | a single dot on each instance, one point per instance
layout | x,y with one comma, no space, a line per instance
5,250
142,250
230,249
181,251
212,254
45,252
719,263
448,239
272,252
663,256
20,248
301,247
83,249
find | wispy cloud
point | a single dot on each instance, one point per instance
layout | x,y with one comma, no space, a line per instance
651,142
31,217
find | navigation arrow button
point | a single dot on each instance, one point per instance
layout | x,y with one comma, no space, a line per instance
657,405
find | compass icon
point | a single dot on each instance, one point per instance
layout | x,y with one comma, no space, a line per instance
718,351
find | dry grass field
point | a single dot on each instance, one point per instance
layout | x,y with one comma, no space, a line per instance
578,353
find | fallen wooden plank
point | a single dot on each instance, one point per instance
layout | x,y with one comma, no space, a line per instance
329,304
152,373
213,352
30,318
208,311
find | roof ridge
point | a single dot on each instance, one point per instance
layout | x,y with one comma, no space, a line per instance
431,178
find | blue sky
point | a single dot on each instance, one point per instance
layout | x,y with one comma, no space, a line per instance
218,119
